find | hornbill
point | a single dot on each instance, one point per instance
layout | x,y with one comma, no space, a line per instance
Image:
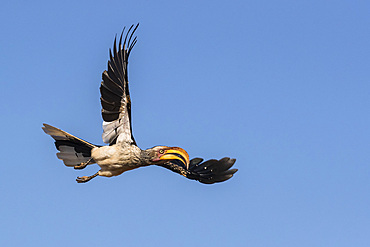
122,153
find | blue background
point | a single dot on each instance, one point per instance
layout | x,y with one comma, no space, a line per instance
282,86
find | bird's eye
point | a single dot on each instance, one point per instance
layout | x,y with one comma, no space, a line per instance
161,151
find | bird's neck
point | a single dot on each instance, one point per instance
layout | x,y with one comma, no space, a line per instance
145,158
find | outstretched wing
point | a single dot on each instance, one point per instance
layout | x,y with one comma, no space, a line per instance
115,96
208,172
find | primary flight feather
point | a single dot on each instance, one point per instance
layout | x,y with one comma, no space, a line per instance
122,153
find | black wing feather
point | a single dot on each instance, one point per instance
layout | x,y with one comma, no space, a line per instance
208,172
114,87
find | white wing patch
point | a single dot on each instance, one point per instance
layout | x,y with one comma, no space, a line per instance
119,129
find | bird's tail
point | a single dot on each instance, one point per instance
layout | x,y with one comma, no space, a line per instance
73,150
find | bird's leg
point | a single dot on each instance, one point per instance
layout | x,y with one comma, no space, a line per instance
85,179
82,165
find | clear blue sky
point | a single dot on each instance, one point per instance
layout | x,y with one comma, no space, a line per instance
282,86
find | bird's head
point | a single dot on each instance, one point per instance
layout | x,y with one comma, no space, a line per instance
162,154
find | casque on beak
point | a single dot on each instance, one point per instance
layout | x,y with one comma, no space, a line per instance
176,153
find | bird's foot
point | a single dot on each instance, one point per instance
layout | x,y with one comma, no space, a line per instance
85,179
82,165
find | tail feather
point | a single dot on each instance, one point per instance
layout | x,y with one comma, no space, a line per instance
73,150
70,157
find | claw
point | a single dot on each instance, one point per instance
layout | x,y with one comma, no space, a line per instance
85,179
80,166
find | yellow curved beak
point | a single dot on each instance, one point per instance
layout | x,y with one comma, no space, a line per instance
176,153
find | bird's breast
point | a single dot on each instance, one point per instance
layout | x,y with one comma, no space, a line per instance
116,156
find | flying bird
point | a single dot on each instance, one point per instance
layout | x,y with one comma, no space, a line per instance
122,153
